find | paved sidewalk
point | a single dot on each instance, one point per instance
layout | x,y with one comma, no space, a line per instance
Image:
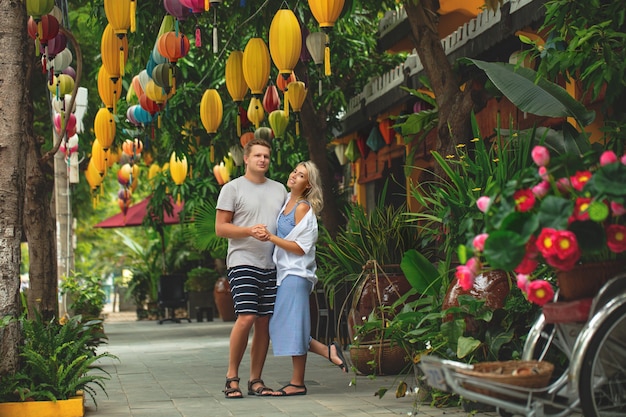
174,370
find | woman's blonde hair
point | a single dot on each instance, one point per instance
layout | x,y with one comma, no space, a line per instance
313,194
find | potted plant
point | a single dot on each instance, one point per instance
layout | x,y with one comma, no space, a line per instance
58,363
200,284
85,294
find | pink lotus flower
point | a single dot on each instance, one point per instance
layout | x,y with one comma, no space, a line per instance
540,156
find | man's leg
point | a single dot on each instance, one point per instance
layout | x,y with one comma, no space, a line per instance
238,343
260,346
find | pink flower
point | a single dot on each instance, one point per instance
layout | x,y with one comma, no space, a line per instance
465,277
483,203
623,159
540,292
522,282
479,242
617,208
608,157
543,173
474,265
563,185
540,156
540,190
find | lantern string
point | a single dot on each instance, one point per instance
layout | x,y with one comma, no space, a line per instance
198,37
212,153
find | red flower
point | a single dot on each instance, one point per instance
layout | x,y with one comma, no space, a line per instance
531,247
579,180
546,242
527,266
581,207
616,238
524,200
559,248
540,292
465,276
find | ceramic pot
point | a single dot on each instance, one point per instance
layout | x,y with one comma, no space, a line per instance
224,300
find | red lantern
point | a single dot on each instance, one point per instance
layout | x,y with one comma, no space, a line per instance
196,6
43,30
386,130
271,100
245,138
149,105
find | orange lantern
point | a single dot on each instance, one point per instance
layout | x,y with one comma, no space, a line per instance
296,98
173,45
104,128
285,45
245,138
282,82
217,172
256,113
235,82
132,148
256,65
326,12
114,52
110,91
178,168
211,110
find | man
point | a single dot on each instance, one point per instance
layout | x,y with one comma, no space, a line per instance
247,206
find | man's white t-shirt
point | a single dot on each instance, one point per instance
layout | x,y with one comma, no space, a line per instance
251,203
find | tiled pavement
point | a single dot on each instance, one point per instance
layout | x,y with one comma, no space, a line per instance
174,370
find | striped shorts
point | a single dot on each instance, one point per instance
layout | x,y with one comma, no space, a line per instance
253,289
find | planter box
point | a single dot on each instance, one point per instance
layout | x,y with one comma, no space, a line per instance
74,407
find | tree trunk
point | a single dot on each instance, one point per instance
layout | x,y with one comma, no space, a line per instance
454,105
12,164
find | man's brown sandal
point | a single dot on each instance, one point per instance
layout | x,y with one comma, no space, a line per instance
229,390
261,391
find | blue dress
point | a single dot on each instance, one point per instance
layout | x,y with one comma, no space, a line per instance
290,326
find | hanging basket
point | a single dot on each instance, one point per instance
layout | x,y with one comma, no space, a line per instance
585,280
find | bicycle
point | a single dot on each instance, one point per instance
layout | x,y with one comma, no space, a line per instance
592,382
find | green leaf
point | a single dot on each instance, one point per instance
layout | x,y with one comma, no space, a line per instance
466,345
554,212
532,93
420,272
504,249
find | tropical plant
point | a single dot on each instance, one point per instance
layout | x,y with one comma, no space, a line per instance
85,292
201,279
59,360
201,231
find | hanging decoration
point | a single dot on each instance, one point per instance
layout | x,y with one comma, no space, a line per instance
214,4
110,91
340,153
285,38
114,52
271,99
42,29
173,46
236,83
386,130
164,75
256,66
121,18
104,128
296,99
315,43
245,138
256,114
278,122
375,140
326,12
211,110
178,168
197,6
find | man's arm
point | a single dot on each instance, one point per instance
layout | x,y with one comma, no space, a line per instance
224,227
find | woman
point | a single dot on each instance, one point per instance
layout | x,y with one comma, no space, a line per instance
294,255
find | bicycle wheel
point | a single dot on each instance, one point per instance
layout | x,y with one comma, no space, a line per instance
602,384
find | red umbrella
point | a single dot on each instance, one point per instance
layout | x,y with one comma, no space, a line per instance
137,212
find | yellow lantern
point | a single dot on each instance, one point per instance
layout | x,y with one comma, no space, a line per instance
110,91
278,123
285,45
235,82
93,176
178,168
211,110
153,171
155,93
62,84
256,65
118,15
326,12
98,157
296,98
114,52
256,113
104,128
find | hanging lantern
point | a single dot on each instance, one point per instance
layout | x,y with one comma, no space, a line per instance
56,45
61,61
236,83
173,46
224,172
236,152
282,83
70,125
132,147
164,75
256,66
61,85
98,157
340,153
124,175
104,128
148,105
119,15
176,9
38,8
93,177
178,168
142,115
278,122
271,99
114,52
245,138
155,93
153,171
42,29
296,98
196,6
211,110
285,39
61,105
315,43
110,91
256,114
386,130
217,173
136,87
326,12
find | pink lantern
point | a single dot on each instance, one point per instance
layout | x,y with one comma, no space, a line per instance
196,6
70,126
176,9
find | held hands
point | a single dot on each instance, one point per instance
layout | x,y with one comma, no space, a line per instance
260,232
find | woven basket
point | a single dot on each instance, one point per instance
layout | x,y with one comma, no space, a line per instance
585,280
383,358
527,374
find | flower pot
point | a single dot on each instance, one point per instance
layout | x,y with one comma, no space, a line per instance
378,358
73,407
585,280
224,300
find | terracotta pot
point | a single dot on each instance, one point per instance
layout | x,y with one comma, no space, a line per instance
381,289
492,286
585,280
224,300
379,358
